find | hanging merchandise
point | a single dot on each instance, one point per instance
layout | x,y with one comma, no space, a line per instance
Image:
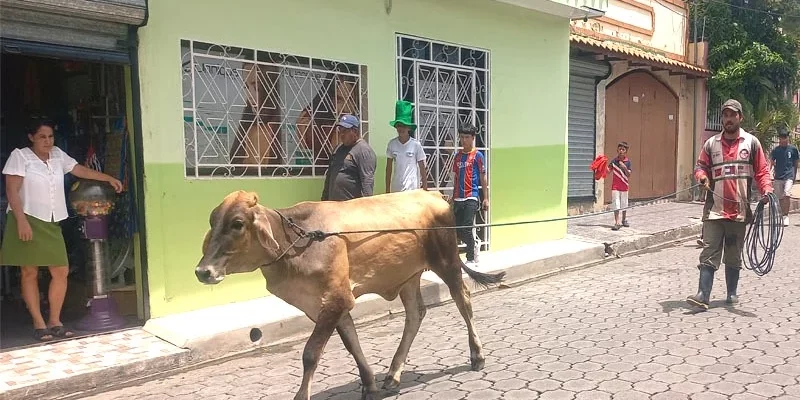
92,161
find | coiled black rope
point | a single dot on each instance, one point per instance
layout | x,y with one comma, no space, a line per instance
763,236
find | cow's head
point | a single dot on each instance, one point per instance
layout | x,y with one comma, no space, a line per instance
240,239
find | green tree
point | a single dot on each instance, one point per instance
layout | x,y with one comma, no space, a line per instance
753,57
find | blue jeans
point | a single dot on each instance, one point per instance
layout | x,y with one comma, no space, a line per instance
465,211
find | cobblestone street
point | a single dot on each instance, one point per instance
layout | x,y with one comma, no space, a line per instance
619,330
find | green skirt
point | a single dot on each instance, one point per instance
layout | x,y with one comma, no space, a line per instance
46,249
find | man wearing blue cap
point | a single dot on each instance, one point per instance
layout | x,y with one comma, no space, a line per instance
351,169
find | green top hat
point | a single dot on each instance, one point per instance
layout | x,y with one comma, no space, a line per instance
404,114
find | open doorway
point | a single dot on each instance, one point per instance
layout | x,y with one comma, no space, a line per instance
88,103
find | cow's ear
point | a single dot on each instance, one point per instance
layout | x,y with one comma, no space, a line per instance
264,229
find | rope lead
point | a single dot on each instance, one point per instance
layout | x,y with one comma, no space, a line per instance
763,236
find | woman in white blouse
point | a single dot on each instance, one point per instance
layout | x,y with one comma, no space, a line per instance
36,204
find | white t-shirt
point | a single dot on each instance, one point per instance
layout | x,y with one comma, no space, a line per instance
42,190
406,156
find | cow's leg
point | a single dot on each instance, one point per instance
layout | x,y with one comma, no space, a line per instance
327,320
411,296
461,296
347,331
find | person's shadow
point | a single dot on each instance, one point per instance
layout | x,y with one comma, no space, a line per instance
675,305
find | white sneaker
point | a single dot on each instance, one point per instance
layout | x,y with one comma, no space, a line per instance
786,220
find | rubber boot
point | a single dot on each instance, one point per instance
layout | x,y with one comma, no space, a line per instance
702,298
732,281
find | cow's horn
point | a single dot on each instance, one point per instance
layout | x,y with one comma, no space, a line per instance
253,199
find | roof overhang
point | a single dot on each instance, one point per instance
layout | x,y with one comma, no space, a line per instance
571,9
618,51
130,12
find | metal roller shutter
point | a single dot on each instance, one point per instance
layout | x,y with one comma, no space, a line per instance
91,30
581,125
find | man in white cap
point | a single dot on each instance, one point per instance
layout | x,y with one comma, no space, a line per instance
351,169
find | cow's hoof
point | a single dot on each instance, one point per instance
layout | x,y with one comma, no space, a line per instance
478,364
391,384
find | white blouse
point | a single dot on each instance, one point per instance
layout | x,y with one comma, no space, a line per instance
42,189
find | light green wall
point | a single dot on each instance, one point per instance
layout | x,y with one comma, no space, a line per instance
529,67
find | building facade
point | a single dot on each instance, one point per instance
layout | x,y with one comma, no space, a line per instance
245,98
634,77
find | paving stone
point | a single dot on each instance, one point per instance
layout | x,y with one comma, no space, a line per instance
670,396
726,387
559,394
521,394
619,330
593,395
765,389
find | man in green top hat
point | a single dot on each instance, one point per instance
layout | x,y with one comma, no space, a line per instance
406,152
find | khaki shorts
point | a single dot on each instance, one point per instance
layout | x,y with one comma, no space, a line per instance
782,187
619,199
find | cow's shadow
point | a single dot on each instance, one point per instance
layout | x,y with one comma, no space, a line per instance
410,379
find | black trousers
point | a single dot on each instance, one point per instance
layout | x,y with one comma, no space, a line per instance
465,216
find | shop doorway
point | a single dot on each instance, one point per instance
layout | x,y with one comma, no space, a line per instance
88,103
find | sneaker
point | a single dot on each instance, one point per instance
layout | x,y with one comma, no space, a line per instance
625,224
475,260
786,220
616,227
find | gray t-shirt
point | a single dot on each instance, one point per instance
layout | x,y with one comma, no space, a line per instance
351,172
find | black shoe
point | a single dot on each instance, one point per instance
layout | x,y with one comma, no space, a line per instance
626,224
732,282
701,299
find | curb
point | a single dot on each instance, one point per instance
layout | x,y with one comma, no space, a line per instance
625,247
236,343
100,379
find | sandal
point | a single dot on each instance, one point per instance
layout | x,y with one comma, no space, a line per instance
61,331
40,335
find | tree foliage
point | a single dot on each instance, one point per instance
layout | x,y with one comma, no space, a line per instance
753,57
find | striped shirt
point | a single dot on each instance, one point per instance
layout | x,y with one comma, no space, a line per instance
468,168
620,181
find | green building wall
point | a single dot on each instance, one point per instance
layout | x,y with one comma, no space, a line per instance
528,116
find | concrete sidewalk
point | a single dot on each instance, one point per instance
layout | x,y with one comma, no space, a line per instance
59,369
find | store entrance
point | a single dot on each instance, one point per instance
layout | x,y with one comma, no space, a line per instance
87,102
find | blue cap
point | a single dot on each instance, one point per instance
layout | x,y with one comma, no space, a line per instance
348,121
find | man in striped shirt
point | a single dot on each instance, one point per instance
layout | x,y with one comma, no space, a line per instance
620,167
469,174
728,164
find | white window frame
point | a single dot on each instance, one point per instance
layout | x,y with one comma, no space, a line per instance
298,81
433,163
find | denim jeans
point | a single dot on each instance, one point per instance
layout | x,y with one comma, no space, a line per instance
465,211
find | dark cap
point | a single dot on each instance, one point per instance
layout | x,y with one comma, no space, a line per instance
732,105
348,121
782,133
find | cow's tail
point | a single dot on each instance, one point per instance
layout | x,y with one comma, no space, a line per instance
481,278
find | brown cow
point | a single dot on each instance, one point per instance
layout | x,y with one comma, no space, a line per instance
324,277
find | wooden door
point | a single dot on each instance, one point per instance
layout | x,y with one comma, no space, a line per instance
643,111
